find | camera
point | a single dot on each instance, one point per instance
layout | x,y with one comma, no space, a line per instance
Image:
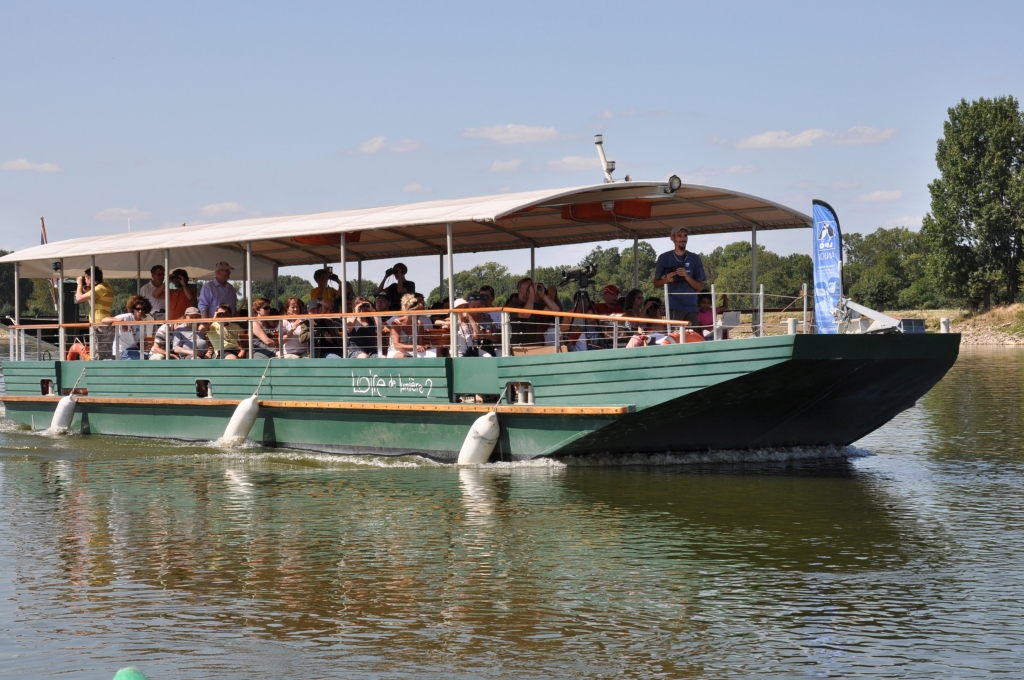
334,277
389,272
581,274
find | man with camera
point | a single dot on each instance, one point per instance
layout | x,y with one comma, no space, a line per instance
526,328
154,291
91,286
400,287
182,296
683,271
323,291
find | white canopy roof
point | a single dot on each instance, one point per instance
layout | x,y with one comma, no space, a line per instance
601,212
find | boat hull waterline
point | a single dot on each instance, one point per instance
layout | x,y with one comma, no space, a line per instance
773,392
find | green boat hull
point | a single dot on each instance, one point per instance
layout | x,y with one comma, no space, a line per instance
782,391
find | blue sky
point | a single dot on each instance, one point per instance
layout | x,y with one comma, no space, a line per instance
190,112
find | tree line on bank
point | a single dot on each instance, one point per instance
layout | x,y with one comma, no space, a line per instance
968,253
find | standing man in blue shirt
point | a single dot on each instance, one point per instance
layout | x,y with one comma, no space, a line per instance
218,292
683,271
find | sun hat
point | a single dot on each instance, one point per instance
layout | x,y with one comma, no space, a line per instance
675,229
610,288
459,302
191,310
224,265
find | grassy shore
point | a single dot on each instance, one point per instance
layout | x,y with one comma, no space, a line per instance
998,326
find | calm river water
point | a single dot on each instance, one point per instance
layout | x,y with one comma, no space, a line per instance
190,561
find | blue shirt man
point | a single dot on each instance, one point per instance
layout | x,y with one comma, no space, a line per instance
683,271
218,292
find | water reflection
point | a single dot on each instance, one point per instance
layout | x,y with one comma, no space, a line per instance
193,562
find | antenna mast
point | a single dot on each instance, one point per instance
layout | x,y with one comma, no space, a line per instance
606,165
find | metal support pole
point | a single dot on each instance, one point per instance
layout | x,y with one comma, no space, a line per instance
440,285
760,310
344,293
668,312
558,334
274,303
359,277
138,273
753,267
615,335
16,346
167,284
248,292
379,321
506,335
804,292
61,334
415,321
533,265
636,262
451,292
714,314
92,306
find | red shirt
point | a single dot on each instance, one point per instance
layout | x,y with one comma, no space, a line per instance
605,309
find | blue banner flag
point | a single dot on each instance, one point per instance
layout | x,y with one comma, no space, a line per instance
827,252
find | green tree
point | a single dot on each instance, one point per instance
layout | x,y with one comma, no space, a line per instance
887,269
729,268
976,222
287,286
25,288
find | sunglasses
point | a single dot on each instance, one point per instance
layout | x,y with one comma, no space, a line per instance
475,297
138,309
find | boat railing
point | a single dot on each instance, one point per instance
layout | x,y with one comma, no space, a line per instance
333,334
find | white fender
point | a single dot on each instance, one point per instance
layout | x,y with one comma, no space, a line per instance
63,415
481,440
242,419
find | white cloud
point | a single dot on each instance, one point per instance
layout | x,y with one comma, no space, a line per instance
122,214
606,114
740,169
506,166
405,146
380,143
415,189
841,185
22,164
911,221
221,209
574,164
372,145
780,139
513,134
878,196
864,135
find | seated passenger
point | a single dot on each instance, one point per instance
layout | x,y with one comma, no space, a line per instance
362,333
294,331
706,318
634,304
610,293
223,336
382,302
580,335
475,334
263,344
327,339
400,288
127,337
159,350
526,328
188,341
400,329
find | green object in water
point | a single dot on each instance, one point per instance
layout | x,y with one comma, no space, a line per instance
130,673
